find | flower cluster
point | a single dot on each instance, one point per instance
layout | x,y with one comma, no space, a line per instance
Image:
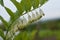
22,22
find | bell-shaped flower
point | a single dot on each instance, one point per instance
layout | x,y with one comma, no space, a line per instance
29,18
33,16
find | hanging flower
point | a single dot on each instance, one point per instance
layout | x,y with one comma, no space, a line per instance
29,18
20,25
33,16
41,12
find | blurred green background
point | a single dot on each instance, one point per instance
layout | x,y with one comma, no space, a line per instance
41,30
47,30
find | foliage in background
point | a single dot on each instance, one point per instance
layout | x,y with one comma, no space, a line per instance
14,25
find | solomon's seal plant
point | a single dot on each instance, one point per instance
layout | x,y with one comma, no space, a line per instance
18,21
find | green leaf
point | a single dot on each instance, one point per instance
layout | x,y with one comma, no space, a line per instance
35,3
10,12
4,22
1,33
1,2
12,15
18,6
26,4
42,2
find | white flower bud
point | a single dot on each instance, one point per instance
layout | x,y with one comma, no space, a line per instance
20,25
33,16
32,8
41,12
29,18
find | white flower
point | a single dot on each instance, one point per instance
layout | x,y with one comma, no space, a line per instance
41,12
29,18
33,16
24,21
20,25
